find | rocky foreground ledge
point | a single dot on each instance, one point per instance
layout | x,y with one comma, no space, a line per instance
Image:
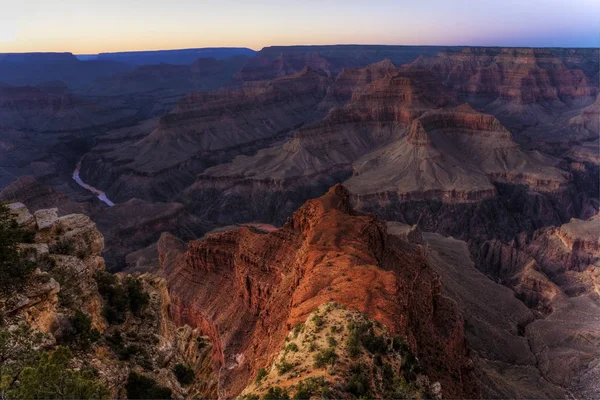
134,334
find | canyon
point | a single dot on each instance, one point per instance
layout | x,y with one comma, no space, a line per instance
445,198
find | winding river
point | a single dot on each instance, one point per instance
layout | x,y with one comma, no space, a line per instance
99,193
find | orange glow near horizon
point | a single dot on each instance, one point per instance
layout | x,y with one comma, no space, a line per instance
88,27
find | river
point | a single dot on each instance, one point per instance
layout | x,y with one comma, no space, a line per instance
99,193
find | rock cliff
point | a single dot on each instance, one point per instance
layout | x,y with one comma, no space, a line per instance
244,285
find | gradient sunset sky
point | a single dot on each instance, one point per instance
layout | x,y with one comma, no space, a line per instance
84,26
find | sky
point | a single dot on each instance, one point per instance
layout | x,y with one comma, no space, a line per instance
88,27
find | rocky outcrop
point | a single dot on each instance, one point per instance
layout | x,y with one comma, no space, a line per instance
242,286
66,251
555,272
66,255
587,122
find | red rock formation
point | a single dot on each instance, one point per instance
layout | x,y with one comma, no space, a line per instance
520,75
247,289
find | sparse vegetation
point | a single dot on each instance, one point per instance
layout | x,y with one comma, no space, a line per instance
353,344
262,373
276,393
291,347
325,357
63,246
26,371
358,383
283,367
118,299
14,268
249,396
313,386
318,321
400,389
138,299
297,329
51,378
82,335
331,341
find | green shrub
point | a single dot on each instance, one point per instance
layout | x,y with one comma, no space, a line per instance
353,344
400,345
291,347
14,268
18,350
138,299
283,367
262,373
358,383
313,386
297,329
375,344
184,374
325,357
318,321
63,246
400,389
118,300
128,352
50,378
142,387
83,334
276,393
331,341
388,375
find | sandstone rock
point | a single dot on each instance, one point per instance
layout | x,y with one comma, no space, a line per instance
34,250
46,218
21,214
82,232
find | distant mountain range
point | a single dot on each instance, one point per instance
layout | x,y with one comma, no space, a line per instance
176,57
80,72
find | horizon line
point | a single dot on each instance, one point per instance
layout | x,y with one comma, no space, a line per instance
299,45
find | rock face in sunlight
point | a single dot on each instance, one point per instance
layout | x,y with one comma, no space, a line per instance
244,285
